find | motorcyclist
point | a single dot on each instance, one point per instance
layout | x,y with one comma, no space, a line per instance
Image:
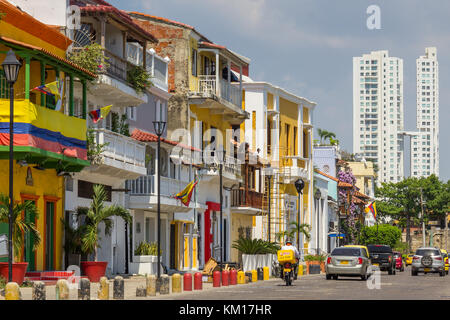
288,246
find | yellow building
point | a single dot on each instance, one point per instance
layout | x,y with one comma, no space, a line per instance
47,142
365,175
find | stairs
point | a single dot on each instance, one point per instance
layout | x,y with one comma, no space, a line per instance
50,277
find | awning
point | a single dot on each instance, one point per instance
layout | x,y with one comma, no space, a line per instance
335,235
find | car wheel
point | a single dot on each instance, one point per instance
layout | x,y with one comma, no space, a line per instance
364,277
335,277
413,272
442,273
328,276
390,271
393,272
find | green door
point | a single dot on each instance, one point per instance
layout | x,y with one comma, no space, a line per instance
49,235
29,241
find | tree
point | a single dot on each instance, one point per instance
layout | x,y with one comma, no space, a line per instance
295,228
96,214
20,225
386,234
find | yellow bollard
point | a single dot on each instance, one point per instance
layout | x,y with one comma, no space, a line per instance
12,291
176,283
300,270
151,285
62,289
241,277
103,290
265,273
254,275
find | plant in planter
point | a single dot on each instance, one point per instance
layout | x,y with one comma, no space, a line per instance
94,149
20,227
96,214
147,249
139,78
254,250
72,243
91,58
315,260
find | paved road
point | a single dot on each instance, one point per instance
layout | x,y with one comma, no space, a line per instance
316,287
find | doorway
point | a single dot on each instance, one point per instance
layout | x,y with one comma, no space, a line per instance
29,254
49,235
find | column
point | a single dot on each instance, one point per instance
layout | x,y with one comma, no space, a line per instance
42,83
217,74
229,79
240,85
27,77
84,98
71,103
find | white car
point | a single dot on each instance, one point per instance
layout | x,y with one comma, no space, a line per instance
428,260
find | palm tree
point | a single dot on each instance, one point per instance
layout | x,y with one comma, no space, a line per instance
330,136
295,228
322,134
94,216
20,225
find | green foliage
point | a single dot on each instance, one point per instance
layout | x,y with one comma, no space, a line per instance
295,228
2,15
139,78
255,246
401,247
3,282
72,243
20,225
147,249
324,135
119,124
90,58
316,257
96,214
94,149
387,235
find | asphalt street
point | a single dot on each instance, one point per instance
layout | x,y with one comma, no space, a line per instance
315,287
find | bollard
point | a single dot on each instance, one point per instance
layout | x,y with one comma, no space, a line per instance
260,274
241,277
84,290
164,284
62,289
118,288
254,277
176,283
233,277
216,279
248,276
38,292
198,281
12,291
151,285
141,291
103,290
225,278
266,273
300,270
187,282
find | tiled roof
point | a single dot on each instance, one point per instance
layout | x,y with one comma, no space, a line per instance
46,52
150,137
327,175
361,195
105,7
344,184
163,19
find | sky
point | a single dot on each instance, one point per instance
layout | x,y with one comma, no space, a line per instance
306,47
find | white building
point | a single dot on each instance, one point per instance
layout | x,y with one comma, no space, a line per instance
425,145
378,112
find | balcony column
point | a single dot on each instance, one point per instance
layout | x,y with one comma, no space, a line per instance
27,77
229,80
84,98
240,85
42,83
144,55
124,49
103,32
217,74
71,104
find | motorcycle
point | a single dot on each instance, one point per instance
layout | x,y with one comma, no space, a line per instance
287,259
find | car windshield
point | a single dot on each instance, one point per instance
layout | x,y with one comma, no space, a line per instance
379,248
427,252
355,252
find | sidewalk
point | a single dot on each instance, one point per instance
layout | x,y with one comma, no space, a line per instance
131,284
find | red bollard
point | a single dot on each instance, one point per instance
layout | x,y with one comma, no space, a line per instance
216,279
198,281
233,277
187,282
225,277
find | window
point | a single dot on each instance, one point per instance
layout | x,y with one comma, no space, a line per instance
194,62
131,113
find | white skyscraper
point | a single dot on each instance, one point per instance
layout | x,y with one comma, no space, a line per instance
425,146
378,113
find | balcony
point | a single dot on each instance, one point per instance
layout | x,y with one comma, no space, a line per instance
231,172
144,193
250,204
122,156
224,98
295,167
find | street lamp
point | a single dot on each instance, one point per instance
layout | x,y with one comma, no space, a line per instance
11,68
299,185
159,125
268,172
317,196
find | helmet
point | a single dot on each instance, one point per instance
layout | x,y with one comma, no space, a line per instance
287,242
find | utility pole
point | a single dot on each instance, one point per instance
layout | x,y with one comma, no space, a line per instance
446,231
423,218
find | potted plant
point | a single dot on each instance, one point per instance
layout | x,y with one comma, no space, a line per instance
96,214
20,227
72,243
253,251
315,260
145,258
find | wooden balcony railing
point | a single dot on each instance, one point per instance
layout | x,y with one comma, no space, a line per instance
239,199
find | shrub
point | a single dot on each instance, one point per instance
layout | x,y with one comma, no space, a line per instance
139,78
255,246
147,249
319,257
90,58
387,235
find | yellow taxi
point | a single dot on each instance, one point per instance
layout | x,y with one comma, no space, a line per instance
409,259
358,246
445,256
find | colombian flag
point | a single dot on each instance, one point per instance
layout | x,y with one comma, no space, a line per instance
99,114
50,89
185,195
373,208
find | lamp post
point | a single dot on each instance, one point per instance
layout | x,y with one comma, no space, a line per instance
317,196
11,68
159,125
269,173
299,185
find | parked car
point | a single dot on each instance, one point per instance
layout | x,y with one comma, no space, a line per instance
399,263
358,246
445,256
428,260
382,257
409,259
348,262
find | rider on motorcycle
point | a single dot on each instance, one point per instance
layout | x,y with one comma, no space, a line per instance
288,246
